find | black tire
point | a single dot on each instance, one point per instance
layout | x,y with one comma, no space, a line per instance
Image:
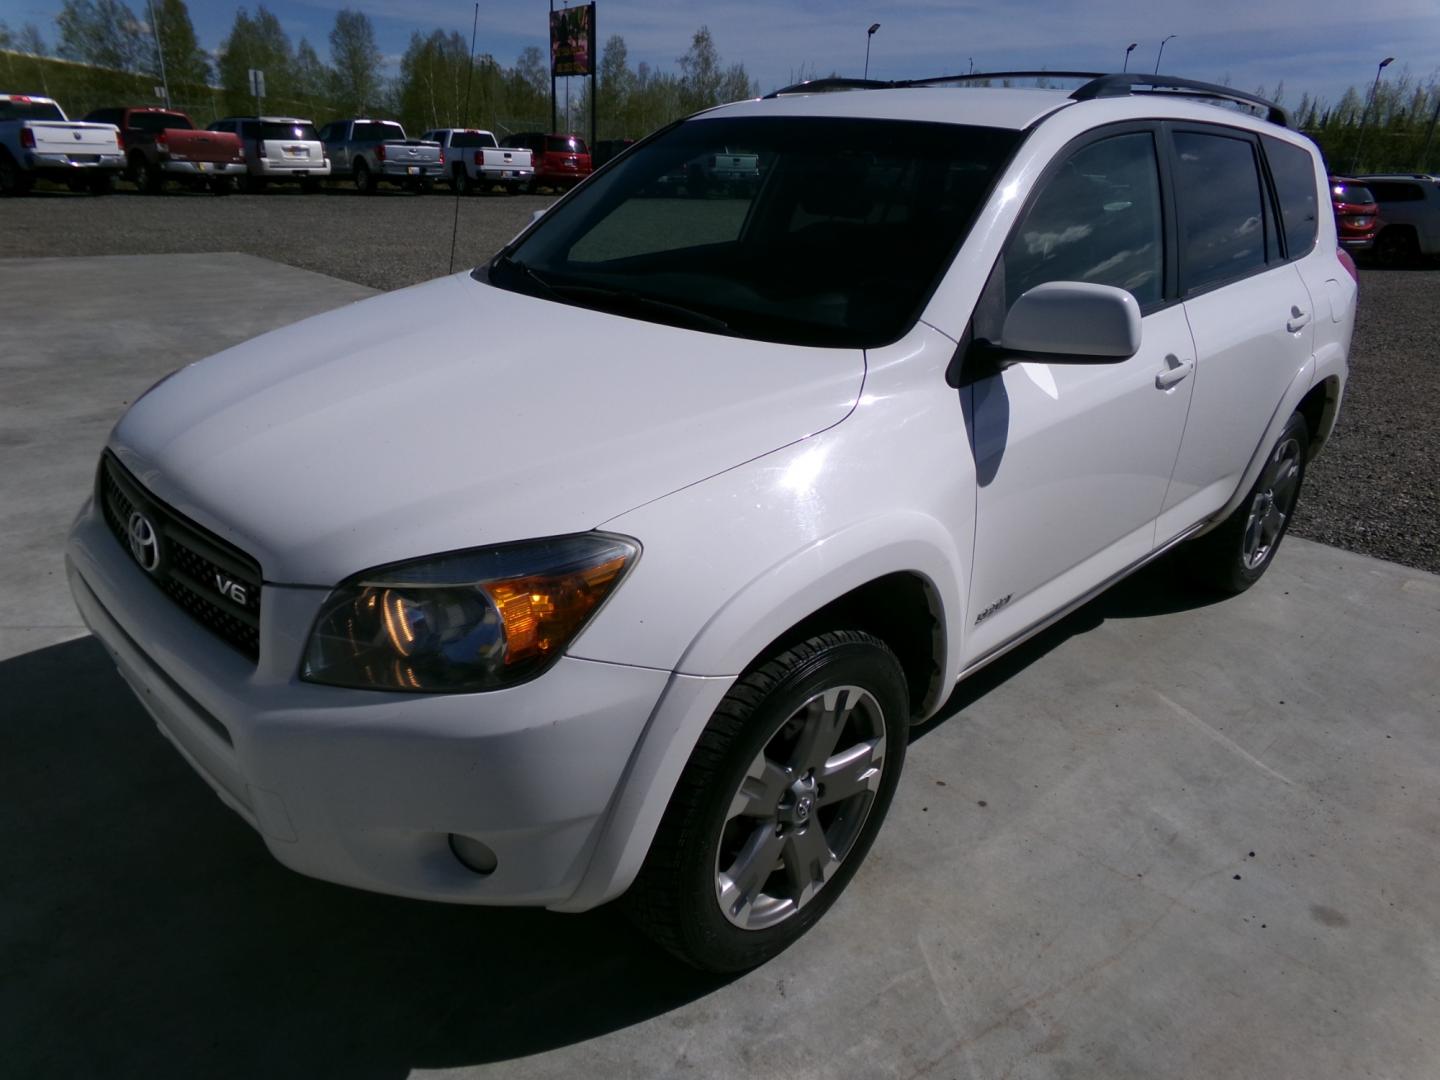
777,713
1397,247
460,181
148,179
101,183
1232,557
364,182
13,181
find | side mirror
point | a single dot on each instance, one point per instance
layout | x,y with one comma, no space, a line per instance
1072,322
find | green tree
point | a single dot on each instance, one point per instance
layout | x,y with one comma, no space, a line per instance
104,33
616,81
313,83
356,61
257,41
187,67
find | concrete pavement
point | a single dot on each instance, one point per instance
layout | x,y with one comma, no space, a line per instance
1167,838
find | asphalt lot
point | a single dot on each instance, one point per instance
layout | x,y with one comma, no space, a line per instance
1167,838
1372,491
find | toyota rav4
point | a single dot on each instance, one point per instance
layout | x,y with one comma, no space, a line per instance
525,624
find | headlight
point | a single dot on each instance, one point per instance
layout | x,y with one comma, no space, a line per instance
470,620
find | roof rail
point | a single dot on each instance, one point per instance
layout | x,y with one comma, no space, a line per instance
1124,84
1097,85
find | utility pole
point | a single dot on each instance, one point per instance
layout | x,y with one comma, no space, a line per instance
159,51
1365,116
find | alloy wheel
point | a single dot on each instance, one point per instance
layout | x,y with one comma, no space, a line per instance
1272,505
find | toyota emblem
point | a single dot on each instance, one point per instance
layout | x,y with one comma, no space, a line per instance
144,542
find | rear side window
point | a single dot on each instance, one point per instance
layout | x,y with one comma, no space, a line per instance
1389,191
1097,220
1222,218
1294,173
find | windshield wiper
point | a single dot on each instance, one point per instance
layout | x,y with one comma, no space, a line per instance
505,262
619,298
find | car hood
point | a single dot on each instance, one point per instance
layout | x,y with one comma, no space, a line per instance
456,414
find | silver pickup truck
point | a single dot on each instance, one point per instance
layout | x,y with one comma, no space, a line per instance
473,158
369,151
37,140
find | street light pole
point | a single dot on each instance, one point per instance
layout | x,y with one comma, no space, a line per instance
1365,116
159,52
1128,51
868,35
1160,54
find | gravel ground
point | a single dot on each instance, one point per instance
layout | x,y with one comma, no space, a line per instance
1373,490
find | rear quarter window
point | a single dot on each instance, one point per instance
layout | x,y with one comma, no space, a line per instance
1293,170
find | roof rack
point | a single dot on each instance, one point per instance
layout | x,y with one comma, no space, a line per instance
1097,85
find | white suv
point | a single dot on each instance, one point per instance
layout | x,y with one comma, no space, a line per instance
642,589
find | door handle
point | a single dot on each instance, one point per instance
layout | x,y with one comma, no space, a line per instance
1175,370
1298,318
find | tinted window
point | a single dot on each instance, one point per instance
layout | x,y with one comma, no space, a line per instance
1098,220
377,131
1294,173
158,121
1222,220
1389,191
1351,193
104,116
556,144
301,132
469,140
30,110
839,239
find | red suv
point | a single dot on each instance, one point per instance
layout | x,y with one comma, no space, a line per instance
561,161
1357,215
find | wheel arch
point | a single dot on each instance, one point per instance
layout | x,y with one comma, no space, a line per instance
913,575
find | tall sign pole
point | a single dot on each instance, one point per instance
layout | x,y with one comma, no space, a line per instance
159,52
552,66
594,67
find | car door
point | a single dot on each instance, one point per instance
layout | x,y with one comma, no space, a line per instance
1250,314
1073,460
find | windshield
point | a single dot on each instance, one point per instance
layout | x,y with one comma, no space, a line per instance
30,110
836,233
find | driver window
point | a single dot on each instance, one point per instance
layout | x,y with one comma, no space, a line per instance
1097,220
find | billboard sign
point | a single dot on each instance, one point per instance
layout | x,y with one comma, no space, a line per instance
572,41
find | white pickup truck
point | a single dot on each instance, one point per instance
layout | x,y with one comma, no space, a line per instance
473,158
37,140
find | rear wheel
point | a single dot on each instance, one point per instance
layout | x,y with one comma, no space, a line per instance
1396,247
12,180
149,179
1233,557
778,804
364,182
460,181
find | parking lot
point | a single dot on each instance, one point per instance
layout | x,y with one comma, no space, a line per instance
1169,837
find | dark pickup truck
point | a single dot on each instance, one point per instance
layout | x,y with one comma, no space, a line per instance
161,144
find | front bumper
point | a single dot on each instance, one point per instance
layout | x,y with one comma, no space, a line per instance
365,788
203,168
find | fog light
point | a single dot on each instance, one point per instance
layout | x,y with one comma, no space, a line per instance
475,855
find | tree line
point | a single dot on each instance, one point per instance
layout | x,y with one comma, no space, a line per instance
113,58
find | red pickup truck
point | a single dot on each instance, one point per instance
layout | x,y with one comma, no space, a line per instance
163,143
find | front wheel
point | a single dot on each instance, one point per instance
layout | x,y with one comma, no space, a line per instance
778,804
1233,557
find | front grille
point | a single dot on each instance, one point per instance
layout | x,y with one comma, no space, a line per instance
216,583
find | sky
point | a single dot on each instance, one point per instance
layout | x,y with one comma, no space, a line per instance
1319,46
